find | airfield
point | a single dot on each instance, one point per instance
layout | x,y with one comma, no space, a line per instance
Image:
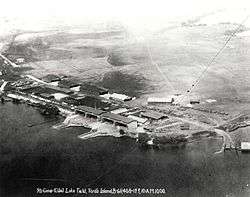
150,64
167,61
118,57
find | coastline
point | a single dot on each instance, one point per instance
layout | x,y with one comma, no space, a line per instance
99,129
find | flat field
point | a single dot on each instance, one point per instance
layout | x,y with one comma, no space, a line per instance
159,64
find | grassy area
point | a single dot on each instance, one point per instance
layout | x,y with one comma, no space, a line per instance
121,62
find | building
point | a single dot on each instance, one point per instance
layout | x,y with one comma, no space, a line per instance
163,100
121,97
185,126
59,89
245,146
46,96
68,83
93,89
80,99
20,60
35,89
192,102
115,119
51,78
59,96
153,115
3,72
69,100
118,97
48,109
119,120
140,120
76,88
89,111
119,110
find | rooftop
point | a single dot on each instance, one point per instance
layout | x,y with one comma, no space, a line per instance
51,78
46,95
86,87
68,83
119,110
138,119
58,96
160,100
59,89
90,110
120,96
117,118
153,115
245,146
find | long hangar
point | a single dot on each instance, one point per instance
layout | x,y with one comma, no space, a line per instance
116,119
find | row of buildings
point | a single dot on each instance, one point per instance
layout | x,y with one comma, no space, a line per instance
86,99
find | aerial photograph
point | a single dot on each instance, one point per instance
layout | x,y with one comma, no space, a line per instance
125,98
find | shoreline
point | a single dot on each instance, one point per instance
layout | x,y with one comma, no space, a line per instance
99,129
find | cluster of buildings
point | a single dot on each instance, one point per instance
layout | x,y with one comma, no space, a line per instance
86,99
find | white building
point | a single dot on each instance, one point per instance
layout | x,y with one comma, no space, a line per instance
116,96
76,88
160,100
20,60
119,111
245,146
138,119
59,96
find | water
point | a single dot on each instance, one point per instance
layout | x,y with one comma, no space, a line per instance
30,154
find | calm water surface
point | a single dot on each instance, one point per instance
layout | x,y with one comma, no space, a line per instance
41,156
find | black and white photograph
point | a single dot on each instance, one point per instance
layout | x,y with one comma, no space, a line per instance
125,98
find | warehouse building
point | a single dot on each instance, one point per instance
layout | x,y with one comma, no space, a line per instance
153,115
119,110
69,83
119,120
116,96
59,89
47,96
89,111
140,120
93,89
51,78
156,100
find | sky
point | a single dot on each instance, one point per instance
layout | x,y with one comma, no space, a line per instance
115,8
137,14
